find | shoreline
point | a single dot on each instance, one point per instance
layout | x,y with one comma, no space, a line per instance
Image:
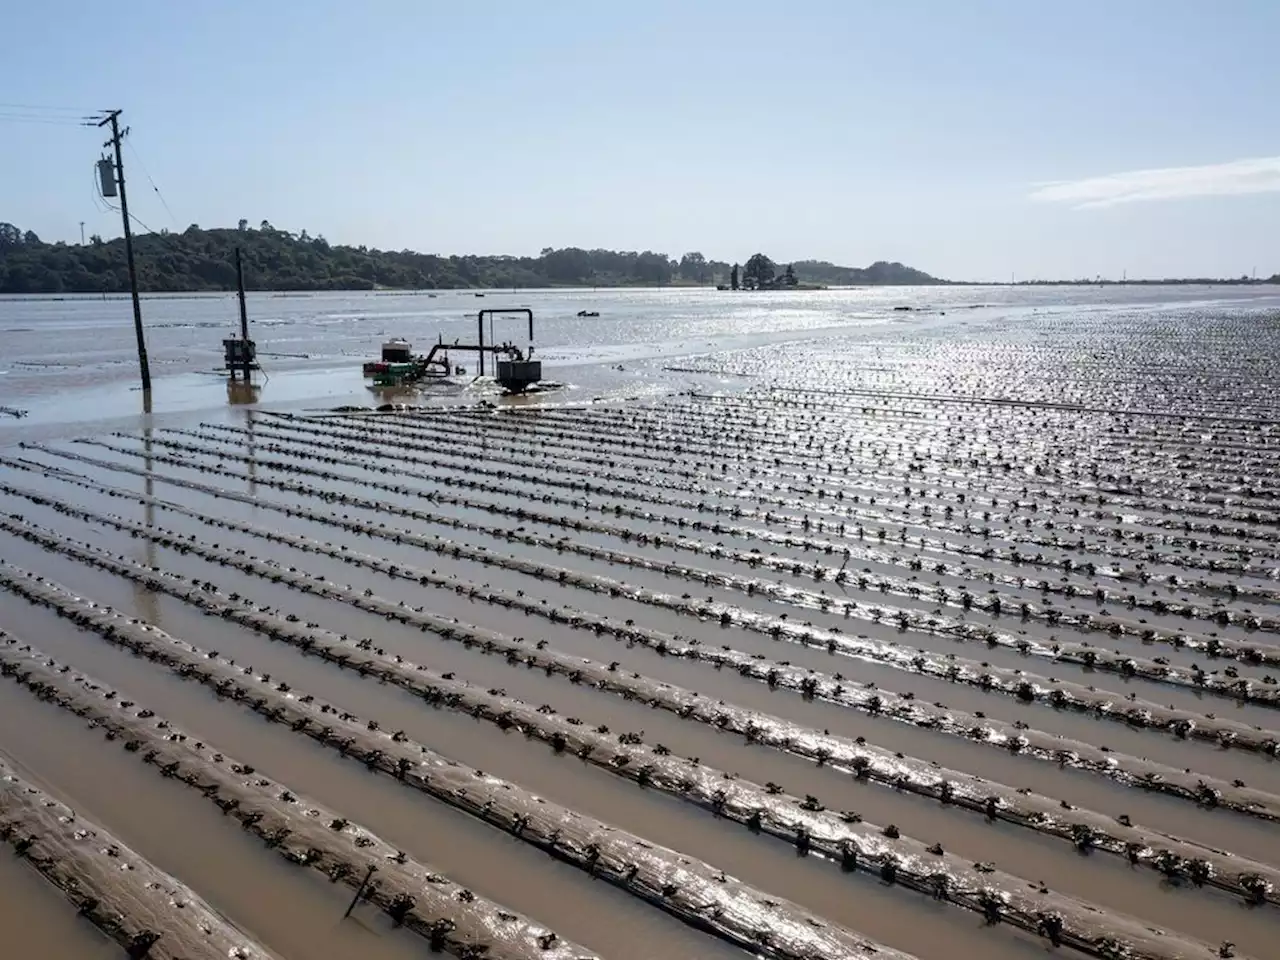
609,288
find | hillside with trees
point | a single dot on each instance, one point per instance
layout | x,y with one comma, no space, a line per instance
880,272
203,260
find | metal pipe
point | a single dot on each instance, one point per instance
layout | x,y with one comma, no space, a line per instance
525,311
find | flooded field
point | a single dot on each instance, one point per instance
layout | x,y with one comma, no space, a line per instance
956,637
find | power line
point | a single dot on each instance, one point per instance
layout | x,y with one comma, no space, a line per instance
6,117
147,174
36,115
33,106
140,223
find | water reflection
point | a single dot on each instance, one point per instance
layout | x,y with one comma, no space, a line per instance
240,393
147,601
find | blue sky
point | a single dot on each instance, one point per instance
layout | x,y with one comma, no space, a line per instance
973,139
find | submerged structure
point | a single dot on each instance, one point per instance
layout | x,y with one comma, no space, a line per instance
513,368
240,355
953,642
399,365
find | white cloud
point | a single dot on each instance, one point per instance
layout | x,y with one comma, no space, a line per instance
1260,175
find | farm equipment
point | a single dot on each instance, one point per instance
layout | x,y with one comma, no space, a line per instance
514,371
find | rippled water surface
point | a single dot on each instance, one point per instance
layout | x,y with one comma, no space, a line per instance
75,358
988,581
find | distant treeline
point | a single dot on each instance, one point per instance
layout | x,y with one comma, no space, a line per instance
880,272
198,259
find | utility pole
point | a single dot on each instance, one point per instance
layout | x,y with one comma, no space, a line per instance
241,354
244,313
113,118
82,233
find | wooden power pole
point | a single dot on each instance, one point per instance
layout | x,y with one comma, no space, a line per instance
244,312
113,118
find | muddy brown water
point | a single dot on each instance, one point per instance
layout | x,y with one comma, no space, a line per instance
995,655
1080,788
563,779
292,912
1010,659
463,849
862,903
312,562
37,922
763,450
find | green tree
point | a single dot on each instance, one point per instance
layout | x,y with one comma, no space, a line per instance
693,266
19,280
789,277
760,269
199,259
80,280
